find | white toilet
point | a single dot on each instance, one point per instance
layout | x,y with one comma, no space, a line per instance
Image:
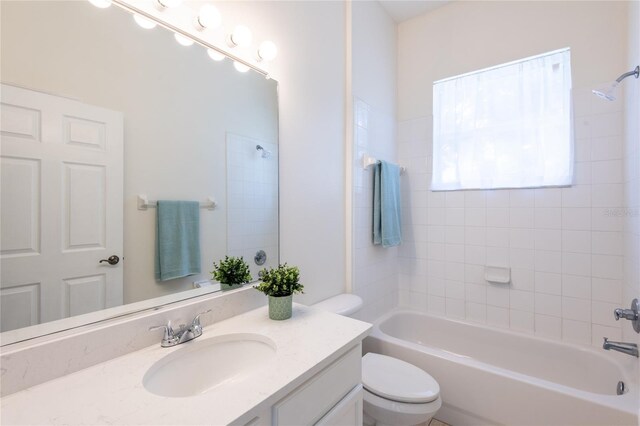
395,392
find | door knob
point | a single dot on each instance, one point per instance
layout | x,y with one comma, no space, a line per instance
112,260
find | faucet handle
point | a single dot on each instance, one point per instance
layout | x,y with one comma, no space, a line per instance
196,320
169,335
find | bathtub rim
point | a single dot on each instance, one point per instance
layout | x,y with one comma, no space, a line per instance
627,402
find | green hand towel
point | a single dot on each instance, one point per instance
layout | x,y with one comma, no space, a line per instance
177,240
387,227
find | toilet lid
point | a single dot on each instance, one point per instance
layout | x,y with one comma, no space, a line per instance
396,380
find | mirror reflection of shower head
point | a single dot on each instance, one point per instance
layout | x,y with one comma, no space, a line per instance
265,153
609,92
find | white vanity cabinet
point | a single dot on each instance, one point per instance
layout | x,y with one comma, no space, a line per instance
331,397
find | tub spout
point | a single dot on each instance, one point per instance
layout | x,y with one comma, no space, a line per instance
625,348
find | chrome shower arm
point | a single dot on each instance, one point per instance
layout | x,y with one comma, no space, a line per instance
635,72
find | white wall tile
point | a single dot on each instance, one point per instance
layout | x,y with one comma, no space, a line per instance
498,198
576,286
521,238
498,296
548,218
548,283
476,312
497,237
576,196
548,239
576,219
605,290
498,317
607,243
576,241
548,326
548,197
476,293
609,171
576,309
604,266
522,300
576,331
576,264
455,308
548,261
497,217
475,235
521,218
436,305
548,304
521,321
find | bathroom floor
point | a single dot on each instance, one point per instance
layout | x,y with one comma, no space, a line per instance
435,422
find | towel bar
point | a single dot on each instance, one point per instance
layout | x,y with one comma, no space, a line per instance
144,203
368,160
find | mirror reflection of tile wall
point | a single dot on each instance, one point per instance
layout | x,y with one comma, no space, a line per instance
252,200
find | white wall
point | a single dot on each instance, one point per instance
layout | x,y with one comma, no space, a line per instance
564,246
310,36
373,82
631,212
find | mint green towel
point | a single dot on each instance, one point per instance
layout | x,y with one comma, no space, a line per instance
177,239
387,228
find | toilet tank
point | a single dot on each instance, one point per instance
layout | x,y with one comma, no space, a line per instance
342,304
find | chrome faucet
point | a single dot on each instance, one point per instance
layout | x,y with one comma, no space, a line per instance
625,348
184,333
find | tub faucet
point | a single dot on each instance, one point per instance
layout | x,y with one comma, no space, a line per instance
625,348
183,334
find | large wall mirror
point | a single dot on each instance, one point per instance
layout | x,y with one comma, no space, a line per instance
100,119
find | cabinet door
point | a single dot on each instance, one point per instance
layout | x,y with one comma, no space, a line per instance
311,401
347,412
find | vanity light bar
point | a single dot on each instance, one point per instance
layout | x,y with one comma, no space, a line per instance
176,30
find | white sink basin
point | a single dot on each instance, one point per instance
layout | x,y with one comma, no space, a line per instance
203,364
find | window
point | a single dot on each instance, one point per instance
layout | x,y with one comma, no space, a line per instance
507,126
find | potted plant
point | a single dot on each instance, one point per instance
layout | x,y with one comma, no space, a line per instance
232,272
280,284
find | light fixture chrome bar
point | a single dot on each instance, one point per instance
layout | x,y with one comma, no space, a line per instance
134,10
635,72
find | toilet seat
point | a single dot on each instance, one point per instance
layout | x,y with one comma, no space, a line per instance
396,380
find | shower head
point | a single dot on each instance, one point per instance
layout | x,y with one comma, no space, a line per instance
609,93
265,153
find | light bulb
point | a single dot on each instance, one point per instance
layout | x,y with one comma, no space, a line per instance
208,17
240,37
240,67
145,23
184,41
167,4
215,55
267,51
102,4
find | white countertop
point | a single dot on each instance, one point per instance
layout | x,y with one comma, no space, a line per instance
112,392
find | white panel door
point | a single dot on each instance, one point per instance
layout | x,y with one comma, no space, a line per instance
61,207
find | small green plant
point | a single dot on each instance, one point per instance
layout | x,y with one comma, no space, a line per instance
280,281
231,270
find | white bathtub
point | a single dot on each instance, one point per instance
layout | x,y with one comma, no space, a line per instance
489,376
